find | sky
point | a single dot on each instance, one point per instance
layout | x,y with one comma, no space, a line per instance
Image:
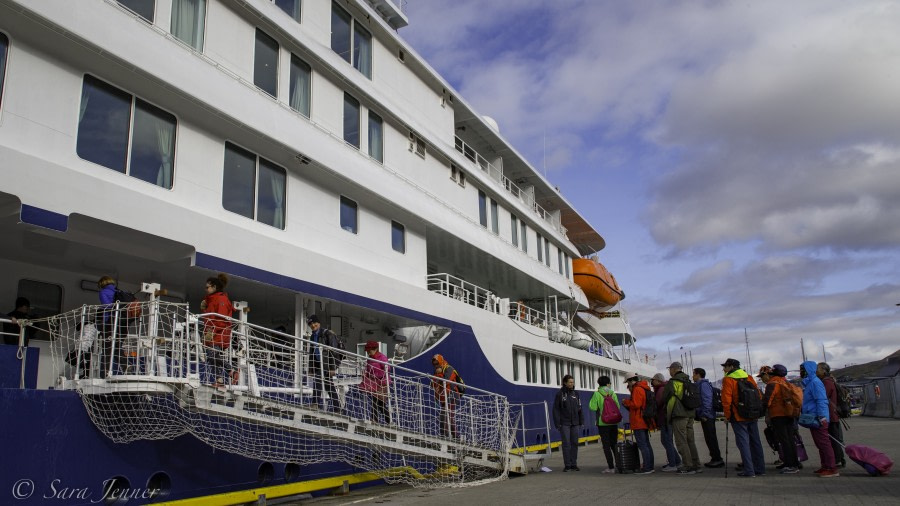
741,159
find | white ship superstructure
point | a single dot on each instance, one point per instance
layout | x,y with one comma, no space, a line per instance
306,150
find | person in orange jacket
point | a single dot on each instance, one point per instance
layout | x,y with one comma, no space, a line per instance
746,431
640,395
446,394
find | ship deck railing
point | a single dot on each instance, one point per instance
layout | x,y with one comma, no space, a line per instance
497,175
257,372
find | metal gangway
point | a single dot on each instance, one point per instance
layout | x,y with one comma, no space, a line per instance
154,370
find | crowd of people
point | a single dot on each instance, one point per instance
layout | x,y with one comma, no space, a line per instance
672,405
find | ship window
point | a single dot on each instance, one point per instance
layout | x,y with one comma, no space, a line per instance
560,372
514,227
482,208
568,275
143,8
351,121
106,116
253,187
547,252
45,300
349,215
559,260
495,217
290,7
398,237
540,248
265,63
188,22
524,238
417,144
515,365
4,47
301,80
545,370
376,137
351,41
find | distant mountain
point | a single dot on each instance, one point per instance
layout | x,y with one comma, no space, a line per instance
864,370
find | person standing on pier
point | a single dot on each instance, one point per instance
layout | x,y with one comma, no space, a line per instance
706,413
640,427
681,418
780,412
568,418
823,371
742,404
673,460
815,407
609,432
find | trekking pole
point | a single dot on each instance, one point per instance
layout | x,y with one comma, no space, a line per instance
726,448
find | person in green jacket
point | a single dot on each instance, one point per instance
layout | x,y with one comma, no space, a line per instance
682,419
609,432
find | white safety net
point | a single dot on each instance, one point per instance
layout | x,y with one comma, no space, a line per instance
153,370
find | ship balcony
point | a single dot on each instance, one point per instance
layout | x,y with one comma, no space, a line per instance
527,198
392,11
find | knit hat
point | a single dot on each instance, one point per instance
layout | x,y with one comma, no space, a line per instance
658,376
779,370
371,345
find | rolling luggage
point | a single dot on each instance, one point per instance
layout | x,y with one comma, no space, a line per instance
626,455
873,461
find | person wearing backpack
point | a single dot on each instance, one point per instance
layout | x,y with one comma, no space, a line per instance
782,409
323,363
706,413
823,371
446,394
814,416
640,426
568,418
742,405
680,412
673,460
603,401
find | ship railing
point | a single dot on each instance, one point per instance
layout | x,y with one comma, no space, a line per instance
532,437
164,343
497,175
458,289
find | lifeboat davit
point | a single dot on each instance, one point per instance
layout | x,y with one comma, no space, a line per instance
598,284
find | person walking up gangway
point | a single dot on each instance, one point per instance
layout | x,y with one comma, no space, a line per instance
447,394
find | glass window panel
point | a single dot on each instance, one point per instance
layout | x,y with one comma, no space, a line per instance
290,7
559,260
238,187
362,50
143,8
398,237
567,266
301,79
265,63
340,32
515,365
270,197
524,237
540,248
4,48
376,137
105,116
514,227
188,22
547,252
45,298
482,209
495,217
348,215
351,120
152,145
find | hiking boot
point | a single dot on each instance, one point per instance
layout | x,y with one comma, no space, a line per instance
789,470
686,470
669,469
829,473
715,463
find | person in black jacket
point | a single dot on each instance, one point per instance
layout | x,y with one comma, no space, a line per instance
323,364
568,419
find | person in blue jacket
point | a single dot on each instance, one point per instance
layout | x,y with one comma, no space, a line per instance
815,402
707,416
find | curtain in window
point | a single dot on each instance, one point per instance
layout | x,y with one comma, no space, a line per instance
376,148
362,51
165,140
300,86
188,18
278,198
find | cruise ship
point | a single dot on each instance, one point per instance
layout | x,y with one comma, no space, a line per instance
305,150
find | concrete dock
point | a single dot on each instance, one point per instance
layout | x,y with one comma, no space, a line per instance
853,488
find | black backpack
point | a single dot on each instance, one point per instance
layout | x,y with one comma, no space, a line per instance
749,400
649,412
717,400
843,400
690,395
123,296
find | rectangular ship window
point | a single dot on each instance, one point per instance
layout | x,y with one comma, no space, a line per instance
265,63
106,118
189,22
351,121
290,7
524,238
253,187
515,364
495,217
351,40
514,227
398,237
482,208
376,137
349,215
143,8
300,85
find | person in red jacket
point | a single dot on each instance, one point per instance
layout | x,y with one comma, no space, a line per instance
823,371
640,395
217,329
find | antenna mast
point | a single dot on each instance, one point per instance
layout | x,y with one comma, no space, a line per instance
747,344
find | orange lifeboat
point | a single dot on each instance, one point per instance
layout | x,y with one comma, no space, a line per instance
598,284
